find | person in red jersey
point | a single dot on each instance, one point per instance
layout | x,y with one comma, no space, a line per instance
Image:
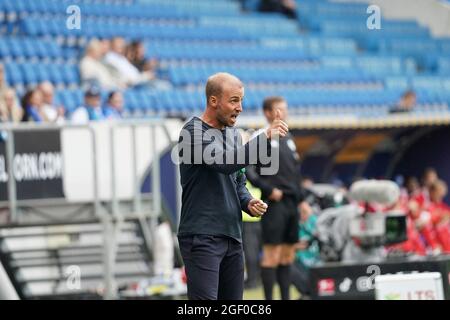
440,214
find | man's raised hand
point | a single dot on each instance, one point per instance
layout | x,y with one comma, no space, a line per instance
278,127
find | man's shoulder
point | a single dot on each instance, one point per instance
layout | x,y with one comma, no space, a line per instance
189,122
191,128
192,123
257,133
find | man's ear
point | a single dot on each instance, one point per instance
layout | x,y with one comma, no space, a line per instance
213,101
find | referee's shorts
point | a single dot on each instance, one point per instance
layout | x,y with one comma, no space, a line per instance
280,222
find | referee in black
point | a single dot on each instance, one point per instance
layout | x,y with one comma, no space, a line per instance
282,193
214,192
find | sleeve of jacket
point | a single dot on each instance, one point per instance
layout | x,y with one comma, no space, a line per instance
242,191
212,154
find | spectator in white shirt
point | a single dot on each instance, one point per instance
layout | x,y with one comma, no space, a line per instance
92,68
127,71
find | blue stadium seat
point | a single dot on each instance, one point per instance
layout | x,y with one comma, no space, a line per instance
132,101
431,83
55,74
4,49
14,74
42,72
251,25
78,96
70,74
443,65
397,83
68,100
30,76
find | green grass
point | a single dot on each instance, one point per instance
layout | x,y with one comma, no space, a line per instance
258,294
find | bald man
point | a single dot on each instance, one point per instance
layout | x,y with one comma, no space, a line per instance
214,192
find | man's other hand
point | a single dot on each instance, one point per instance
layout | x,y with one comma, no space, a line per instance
257,207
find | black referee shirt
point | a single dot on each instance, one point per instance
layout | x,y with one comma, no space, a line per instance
288,177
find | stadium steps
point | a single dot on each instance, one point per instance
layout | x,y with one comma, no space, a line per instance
71,248
37,258
72,259
86,277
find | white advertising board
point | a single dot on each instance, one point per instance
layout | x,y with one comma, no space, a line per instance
412,286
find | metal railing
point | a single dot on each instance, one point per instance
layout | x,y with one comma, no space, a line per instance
111,221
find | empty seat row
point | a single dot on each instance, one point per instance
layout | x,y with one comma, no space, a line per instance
359,29
323,8
233,53
256,25
313,44
328,22
187,75
342,98
404,46
432,84
160,10
443,64
201,6
57,27
425,51
373,64
189,101
28,48
33,73
257,52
